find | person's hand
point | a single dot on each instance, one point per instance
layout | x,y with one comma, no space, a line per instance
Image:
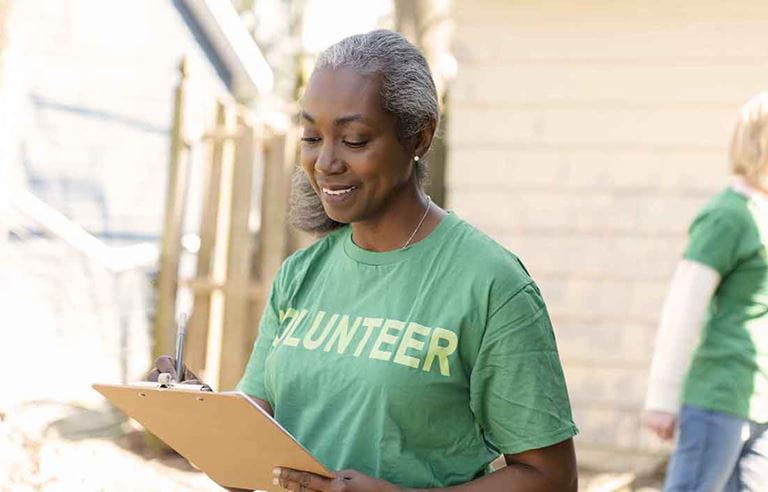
661,423
166,363
345,481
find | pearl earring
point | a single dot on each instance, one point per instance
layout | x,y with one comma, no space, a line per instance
416,158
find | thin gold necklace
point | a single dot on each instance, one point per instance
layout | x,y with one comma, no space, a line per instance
426,211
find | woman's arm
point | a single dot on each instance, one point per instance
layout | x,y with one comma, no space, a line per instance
547,469
682,318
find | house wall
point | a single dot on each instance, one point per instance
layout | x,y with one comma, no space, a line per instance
94,85
87,92
584,136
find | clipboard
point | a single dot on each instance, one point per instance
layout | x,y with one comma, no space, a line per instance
226,435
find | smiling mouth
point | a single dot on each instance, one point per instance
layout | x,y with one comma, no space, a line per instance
339,192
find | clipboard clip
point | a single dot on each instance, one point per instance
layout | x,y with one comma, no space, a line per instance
165,381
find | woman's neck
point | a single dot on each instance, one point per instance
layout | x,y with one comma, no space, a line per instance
410,213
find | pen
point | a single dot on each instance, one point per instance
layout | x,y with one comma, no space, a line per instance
181,333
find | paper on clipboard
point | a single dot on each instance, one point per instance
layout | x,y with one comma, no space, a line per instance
226,435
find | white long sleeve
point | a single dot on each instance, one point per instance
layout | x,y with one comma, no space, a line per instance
682,317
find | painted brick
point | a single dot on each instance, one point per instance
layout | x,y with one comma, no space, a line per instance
633,30
603,211
641,299
618,388
568,255
619,343
585,139
631,169
611,459
600,427
675,127
591,85
615,428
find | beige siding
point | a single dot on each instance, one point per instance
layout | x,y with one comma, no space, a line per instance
584,136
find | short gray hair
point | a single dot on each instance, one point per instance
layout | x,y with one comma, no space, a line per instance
407,89
407,92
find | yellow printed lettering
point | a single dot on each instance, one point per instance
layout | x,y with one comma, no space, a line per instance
386,337
343,334
291,340
370,324
441,352
409,342
311,344
289,313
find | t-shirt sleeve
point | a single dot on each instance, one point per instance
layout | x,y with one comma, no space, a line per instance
714,239
252,382
517,387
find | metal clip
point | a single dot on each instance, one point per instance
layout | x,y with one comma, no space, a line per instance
164,380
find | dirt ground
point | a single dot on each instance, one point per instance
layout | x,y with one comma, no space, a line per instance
53,447
46,446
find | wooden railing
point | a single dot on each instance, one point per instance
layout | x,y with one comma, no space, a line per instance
237,259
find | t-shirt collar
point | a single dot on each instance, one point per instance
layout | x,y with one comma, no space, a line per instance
741,186
365,256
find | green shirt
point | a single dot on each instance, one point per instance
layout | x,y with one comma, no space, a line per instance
418,366
729,371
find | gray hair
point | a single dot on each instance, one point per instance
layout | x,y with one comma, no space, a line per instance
407,92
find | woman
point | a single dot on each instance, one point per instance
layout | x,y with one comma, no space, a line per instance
718,300
406,349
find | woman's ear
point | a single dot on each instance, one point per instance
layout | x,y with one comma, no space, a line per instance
424,138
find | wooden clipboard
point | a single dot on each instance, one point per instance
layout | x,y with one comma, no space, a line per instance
226,435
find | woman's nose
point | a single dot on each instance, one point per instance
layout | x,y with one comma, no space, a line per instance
328,162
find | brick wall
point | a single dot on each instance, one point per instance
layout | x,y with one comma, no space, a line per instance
584,136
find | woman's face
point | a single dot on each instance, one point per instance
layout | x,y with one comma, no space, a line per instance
349,149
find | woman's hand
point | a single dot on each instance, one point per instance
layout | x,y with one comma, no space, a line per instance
661,423
166,363
345,480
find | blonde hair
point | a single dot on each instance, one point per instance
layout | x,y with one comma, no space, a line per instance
749,145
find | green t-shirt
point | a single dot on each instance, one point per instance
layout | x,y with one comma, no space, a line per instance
418,366
729,371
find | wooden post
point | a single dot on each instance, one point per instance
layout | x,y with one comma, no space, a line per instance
170,251
236,332
273,232
197,333
220,263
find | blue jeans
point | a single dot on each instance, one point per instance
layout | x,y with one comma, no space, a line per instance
718,452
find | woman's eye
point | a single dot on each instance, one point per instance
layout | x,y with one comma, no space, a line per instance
310,140
355,144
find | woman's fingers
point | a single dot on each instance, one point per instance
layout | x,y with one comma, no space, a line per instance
299,481
166,363
153,375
